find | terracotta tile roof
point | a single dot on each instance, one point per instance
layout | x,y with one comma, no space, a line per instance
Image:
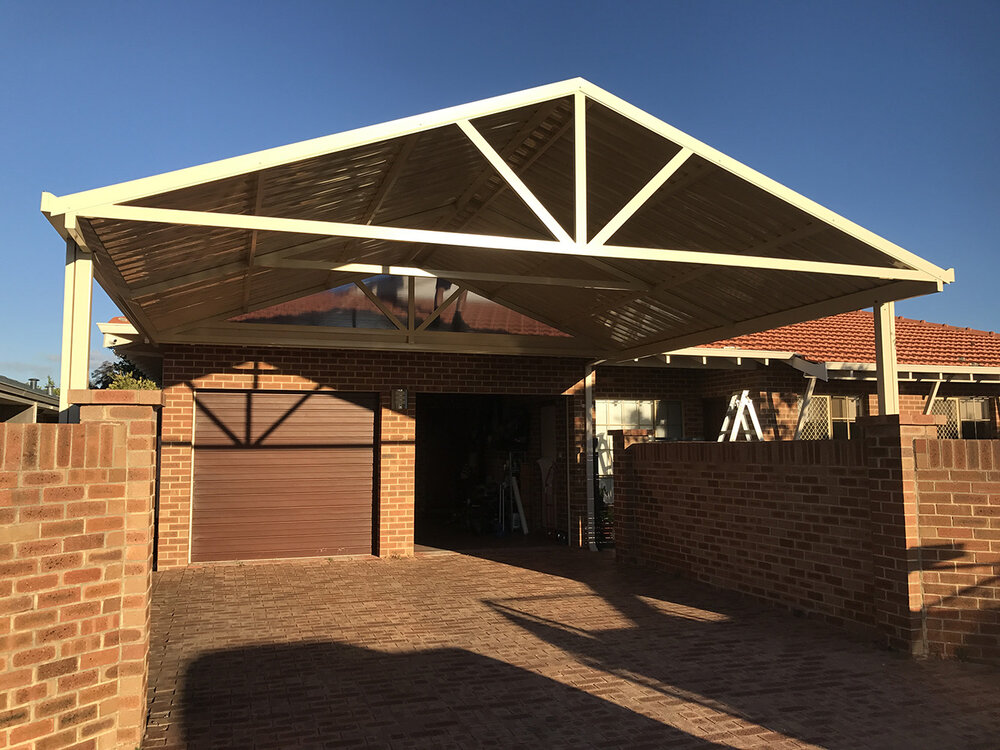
850,337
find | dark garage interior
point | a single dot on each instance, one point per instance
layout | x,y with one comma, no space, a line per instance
475,455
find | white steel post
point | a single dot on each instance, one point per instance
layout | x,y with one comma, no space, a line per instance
885,358
588,390
75,365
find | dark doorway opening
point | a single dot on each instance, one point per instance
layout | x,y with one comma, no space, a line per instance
476,455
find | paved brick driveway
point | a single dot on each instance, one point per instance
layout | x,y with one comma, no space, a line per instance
530,648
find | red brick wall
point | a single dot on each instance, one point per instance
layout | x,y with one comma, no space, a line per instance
838,529
75,577
788,522
958,554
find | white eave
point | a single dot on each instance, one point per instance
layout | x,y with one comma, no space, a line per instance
916,373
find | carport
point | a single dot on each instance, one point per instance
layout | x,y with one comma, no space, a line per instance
562,203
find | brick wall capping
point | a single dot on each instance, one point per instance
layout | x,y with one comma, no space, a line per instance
87,397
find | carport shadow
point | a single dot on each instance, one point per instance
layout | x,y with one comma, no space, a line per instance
747,660
325,694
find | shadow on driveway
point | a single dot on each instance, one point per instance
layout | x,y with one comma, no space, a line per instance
317,695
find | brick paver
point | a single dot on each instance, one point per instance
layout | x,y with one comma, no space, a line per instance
527,648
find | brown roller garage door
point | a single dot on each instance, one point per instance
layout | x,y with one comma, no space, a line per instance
282,475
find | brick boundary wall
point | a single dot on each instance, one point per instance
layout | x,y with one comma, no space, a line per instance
958,496
76,531
783,521
828,528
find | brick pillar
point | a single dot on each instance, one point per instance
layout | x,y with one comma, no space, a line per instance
626,532
76,529
895,535
396,476
135,410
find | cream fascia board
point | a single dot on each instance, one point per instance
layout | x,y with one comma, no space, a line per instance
491,242
806,366
867,367
274,157
773,187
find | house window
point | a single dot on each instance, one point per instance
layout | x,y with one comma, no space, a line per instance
665,418
829,417
968,418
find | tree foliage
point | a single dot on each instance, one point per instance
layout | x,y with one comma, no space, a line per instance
121,375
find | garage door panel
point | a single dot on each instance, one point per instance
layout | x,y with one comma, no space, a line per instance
282,475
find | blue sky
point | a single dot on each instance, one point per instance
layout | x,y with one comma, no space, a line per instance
886,112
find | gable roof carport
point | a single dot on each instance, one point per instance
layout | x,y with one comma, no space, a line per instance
561,202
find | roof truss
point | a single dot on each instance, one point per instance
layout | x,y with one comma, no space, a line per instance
891,273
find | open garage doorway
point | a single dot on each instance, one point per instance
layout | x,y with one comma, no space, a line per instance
490,471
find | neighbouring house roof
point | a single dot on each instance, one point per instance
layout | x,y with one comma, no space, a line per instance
563,203
15,392
472,313
850,338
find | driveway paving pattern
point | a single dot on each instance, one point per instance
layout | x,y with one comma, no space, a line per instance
529,648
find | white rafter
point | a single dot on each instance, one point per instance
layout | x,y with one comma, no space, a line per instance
629,209
515,182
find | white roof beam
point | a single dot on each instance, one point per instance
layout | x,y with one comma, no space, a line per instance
846,303
273,157
629,209
765,183
515,182
439,273
580,166
493,242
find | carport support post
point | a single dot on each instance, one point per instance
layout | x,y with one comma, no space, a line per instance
885,357
75,364
588,421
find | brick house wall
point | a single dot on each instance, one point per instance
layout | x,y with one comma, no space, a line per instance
76,531
958,553
188,368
